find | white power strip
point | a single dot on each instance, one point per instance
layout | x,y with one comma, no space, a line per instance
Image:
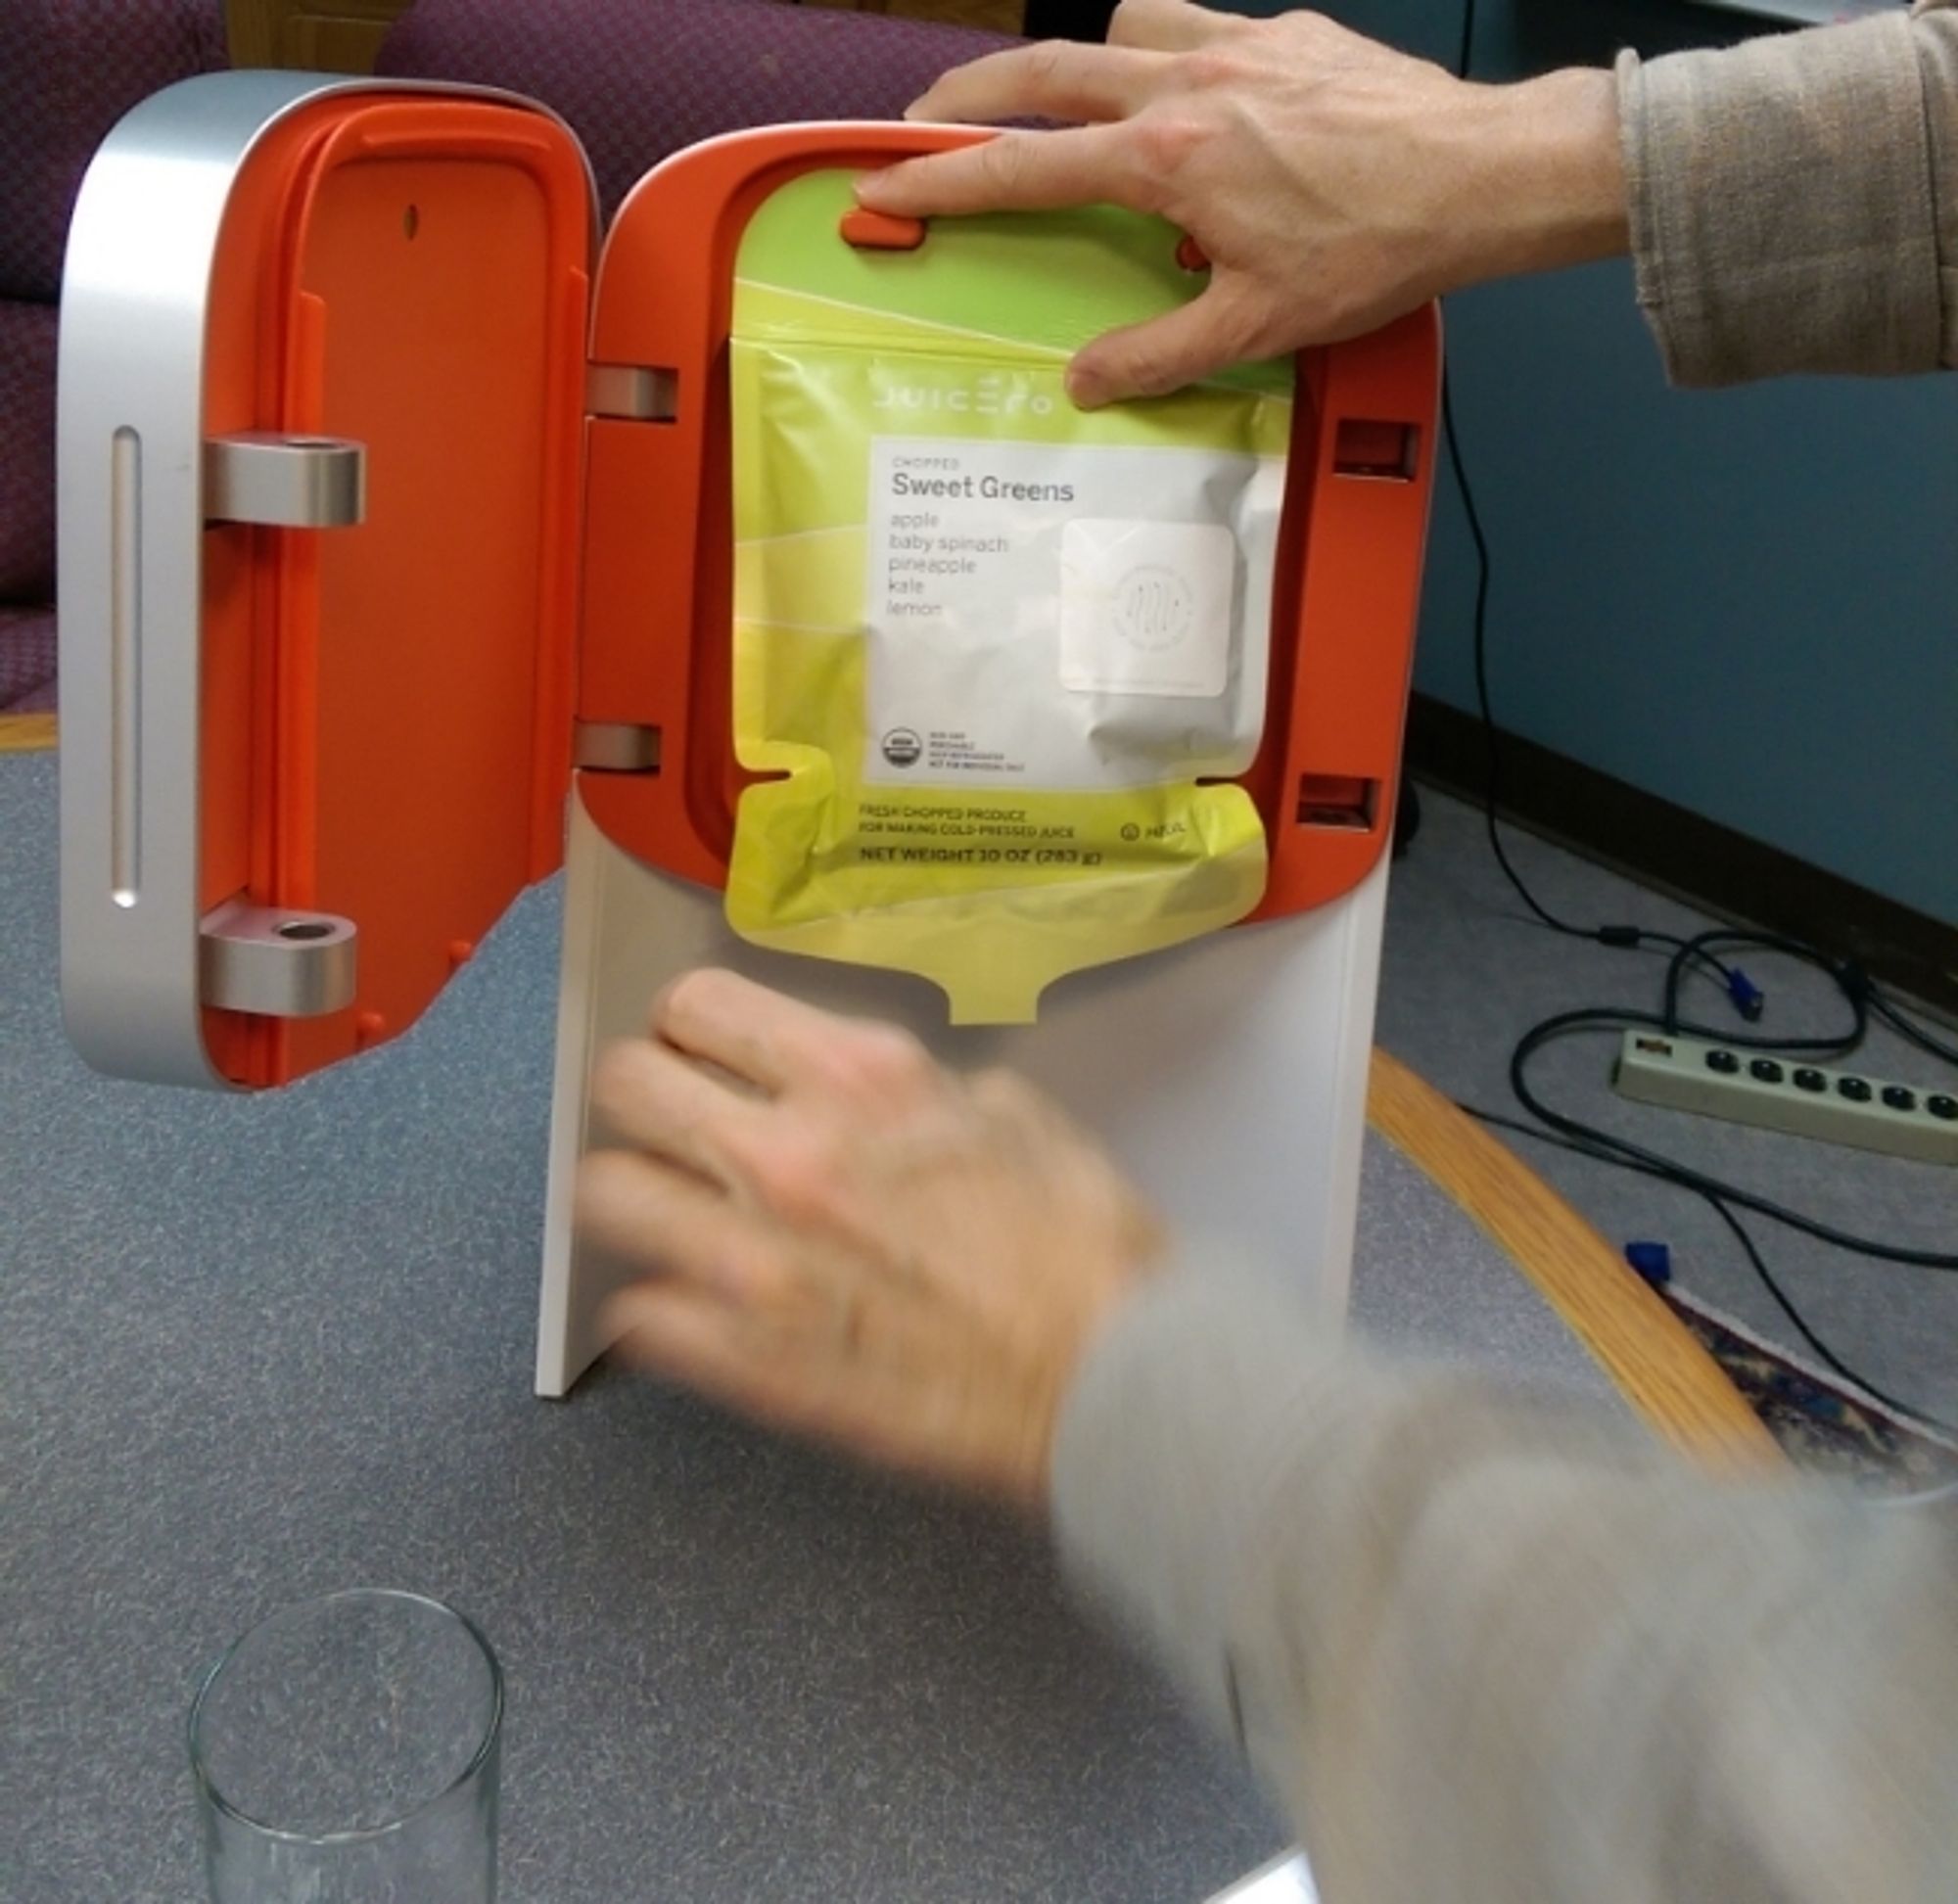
1787,1094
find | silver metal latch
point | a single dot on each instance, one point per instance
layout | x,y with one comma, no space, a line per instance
615,747
276,962
636,393
285,482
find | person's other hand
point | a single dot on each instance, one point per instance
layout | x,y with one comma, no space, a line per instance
849,1241
1333,183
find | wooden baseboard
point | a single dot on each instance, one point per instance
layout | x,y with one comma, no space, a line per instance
1692,857
1652,1360
27,733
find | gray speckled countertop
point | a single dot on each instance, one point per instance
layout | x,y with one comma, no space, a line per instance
254,1350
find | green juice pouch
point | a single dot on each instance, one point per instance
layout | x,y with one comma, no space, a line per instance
1000,653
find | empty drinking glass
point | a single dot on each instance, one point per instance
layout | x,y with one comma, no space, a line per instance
345,1752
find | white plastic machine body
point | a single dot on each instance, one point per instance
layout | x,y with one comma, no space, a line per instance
234,917
1228,1075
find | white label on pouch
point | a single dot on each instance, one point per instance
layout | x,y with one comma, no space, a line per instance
1065,616
1145,607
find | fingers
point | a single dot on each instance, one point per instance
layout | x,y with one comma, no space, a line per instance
1169,25
659,1218
803,1159
789,1049
760,1037
1057,80
1017,171
1164,354
767,1156
664,1103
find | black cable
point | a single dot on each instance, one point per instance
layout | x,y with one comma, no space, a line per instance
1905,1027
1491,740
1848,980
1623,936
1492,758
1786,1304
1783,1300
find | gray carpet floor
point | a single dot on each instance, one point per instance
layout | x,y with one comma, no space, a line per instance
255,1348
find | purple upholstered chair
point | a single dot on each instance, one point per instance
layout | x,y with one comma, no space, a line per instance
69,71
637,80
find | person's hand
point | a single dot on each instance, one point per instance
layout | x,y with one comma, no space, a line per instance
850,1241
1333,183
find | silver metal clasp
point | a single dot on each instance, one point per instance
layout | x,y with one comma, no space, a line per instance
615,747
633,393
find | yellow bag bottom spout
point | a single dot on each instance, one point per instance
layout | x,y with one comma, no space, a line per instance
991,901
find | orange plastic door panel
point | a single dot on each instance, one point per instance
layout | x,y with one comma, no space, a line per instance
386,706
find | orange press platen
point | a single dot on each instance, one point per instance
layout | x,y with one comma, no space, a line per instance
656,646
386,708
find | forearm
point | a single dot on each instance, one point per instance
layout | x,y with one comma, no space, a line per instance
1791,204
1485,1649
1537,178
1795,200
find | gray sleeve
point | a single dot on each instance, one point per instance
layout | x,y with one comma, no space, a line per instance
1484,1648
1793,200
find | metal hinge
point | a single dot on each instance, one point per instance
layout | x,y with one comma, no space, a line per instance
615,747
634,393
276,962
285,482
